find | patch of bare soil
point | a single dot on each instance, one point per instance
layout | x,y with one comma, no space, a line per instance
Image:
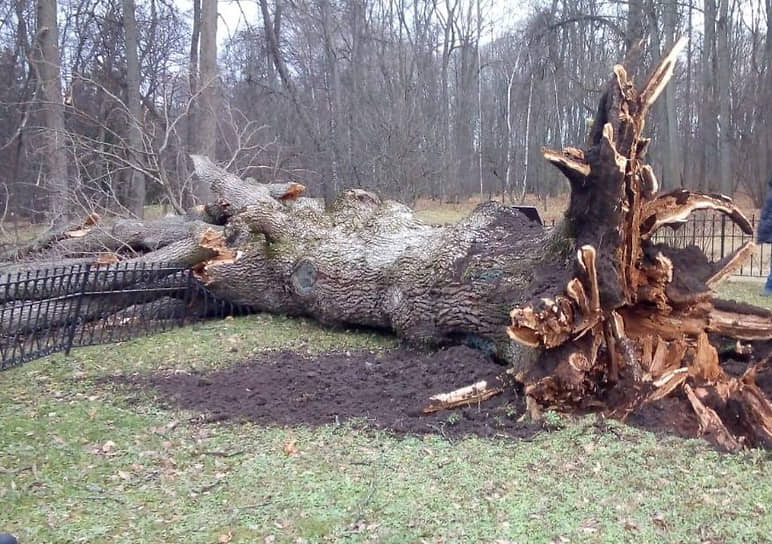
385,390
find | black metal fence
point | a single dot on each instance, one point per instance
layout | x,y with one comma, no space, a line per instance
717,236
49,310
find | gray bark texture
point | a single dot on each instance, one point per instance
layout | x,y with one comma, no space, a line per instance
136,178
50,96
369,262
206,114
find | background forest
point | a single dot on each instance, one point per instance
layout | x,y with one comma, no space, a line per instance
101,101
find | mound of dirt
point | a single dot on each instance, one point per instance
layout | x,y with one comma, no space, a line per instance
385,390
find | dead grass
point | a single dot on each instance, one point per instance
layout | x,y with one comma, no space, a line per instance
551,209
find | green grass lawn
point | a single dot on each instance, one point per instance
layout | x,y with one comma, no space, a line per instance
747,290
85,461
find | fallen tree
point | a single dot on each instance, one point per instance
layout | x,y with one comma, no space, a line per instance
603,318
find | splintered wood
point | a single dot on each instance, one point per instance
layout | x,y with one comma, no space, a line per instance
632,326
471,394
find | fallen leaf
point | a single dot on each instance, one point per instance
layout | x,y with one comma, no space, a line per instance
630,526
124,475
290,448
225,537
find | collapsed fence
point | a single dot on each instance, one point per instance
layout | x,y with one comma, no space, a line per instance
58,308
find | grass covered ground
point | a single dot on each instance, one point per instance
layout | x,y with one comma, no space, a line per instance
82,460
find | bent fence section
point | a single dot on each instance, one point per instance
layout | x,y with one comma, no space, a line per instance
56,309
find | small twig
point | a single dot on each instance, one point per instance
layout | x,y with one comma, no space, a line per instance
254,506
441,429
99,498
16,471
209,487
225,454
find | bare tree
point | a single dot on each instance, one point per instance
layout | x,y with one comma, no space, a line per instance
724,112
50,96
207,79
137,178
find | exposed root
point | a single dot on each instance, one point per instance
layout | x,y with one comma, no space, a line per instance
632,326
710,422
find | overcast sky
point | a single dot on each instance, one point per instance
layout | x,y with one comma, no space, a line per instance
232,13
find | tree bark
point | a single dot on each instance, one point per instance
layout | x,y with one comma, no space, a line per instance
708,113
136,177
50,96
207,99
724,107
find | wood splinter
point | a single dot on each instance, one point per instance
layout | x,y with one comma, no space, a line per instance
470,394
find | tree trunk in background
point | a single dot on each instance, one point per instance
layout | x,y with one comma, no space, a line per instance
207,81
673,166
689,163
766,143
332,87
193,74
708,112
448,44
634,36
137,179
480,135
724,110
509,158
50,95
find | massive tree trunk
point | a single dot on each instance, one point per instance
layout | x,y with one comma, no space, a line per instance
617,320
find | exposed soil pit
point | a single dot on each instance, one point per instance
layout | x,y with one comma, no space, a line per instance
385,390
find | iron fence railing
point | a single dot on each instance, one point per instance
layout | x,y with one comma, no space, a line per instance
717,236
49,310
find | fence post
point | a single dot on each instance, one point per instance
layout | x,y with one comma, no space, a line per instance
723,234
187,298
78,304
